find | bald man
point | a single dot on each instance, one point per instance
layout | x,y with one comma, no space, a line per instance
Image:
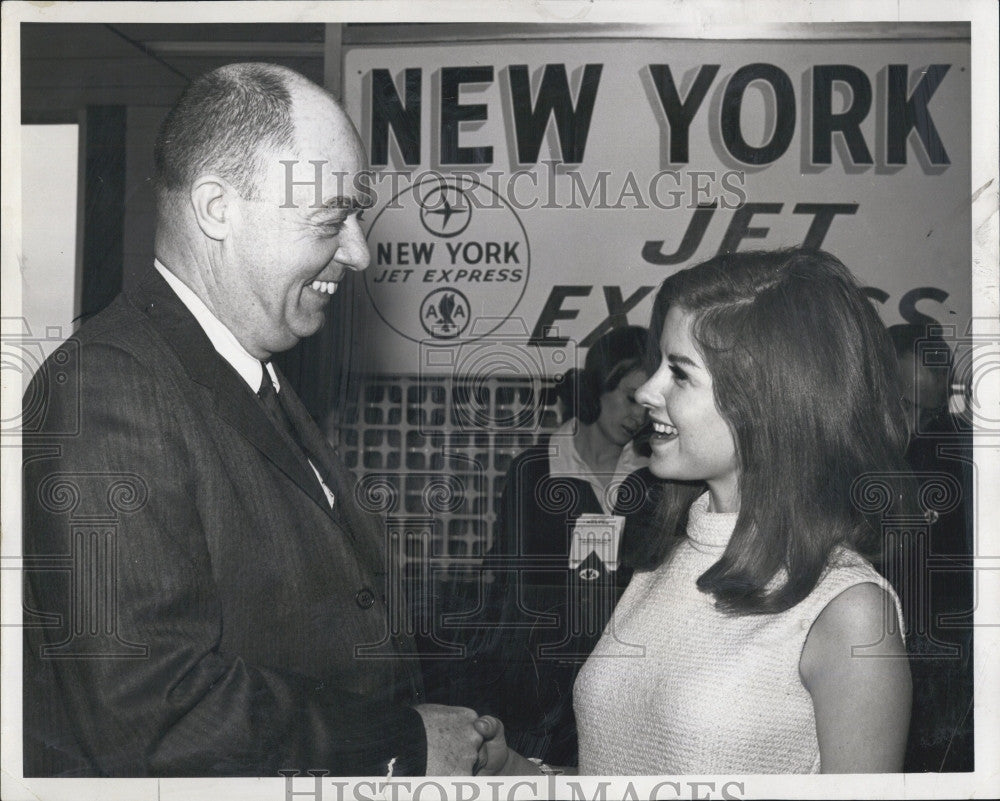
203,597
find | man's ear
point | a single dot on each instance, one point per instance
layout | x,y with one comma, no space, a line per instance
212,201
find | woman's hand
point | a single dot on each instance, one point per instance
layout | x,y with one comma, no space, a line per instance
495,757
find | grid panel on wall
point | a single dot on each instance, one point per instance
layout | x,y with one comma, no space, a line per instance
409,434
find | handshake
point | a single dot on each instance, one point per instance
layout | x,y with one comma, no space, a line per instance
462,743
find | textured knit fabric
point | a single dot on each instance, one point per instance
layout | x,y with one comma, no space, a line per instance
676,686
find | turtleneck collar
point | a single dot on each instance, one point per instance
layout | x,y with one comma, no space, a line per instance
709,530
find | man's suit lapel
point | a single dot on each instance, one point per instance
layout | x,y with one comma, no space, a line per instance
233,401
359,527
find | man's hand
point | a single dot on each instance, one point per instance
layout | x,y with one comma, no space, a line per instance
452,740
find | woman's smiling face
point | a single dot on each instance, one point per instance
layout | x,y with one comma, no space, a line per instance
691,440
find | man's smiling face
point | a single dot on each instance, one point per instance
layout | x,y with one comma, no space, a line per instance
285,259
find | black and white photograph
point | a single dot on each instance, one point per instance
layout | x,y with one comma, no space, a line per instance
532,400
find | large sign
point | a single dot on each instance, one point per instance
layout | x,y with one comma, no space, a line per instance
552,185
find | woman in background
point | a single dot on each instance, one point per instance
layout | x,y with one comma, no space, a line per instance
556,558
771,643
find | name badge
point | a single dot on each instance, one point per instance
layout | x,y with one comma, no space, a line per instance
600,534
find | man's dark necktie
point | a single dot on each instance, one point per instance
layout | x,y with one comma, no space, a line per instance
276,411
274,408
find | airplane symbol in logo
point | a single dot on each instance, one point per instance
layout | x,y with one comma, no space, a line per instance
446,212
437,203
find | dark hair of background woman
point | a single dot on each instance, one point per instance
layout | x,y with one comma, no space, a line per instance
609,360
805,375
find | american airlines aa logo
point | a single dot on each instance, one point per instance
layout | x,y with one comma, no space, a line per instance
444,314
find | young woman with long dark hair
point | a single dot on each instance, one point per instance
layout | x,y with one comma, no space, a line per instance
771,644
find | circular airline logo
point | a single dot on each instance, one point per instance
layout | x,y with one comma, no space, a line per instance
450,261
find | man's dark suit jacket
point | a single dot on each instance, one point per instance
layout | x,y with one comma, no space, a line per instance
194,607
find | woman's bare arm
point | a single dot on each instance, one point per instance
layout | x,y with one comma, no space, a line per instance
861,695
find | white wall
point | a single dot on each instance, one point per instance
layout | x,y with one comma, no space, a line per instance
50,299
